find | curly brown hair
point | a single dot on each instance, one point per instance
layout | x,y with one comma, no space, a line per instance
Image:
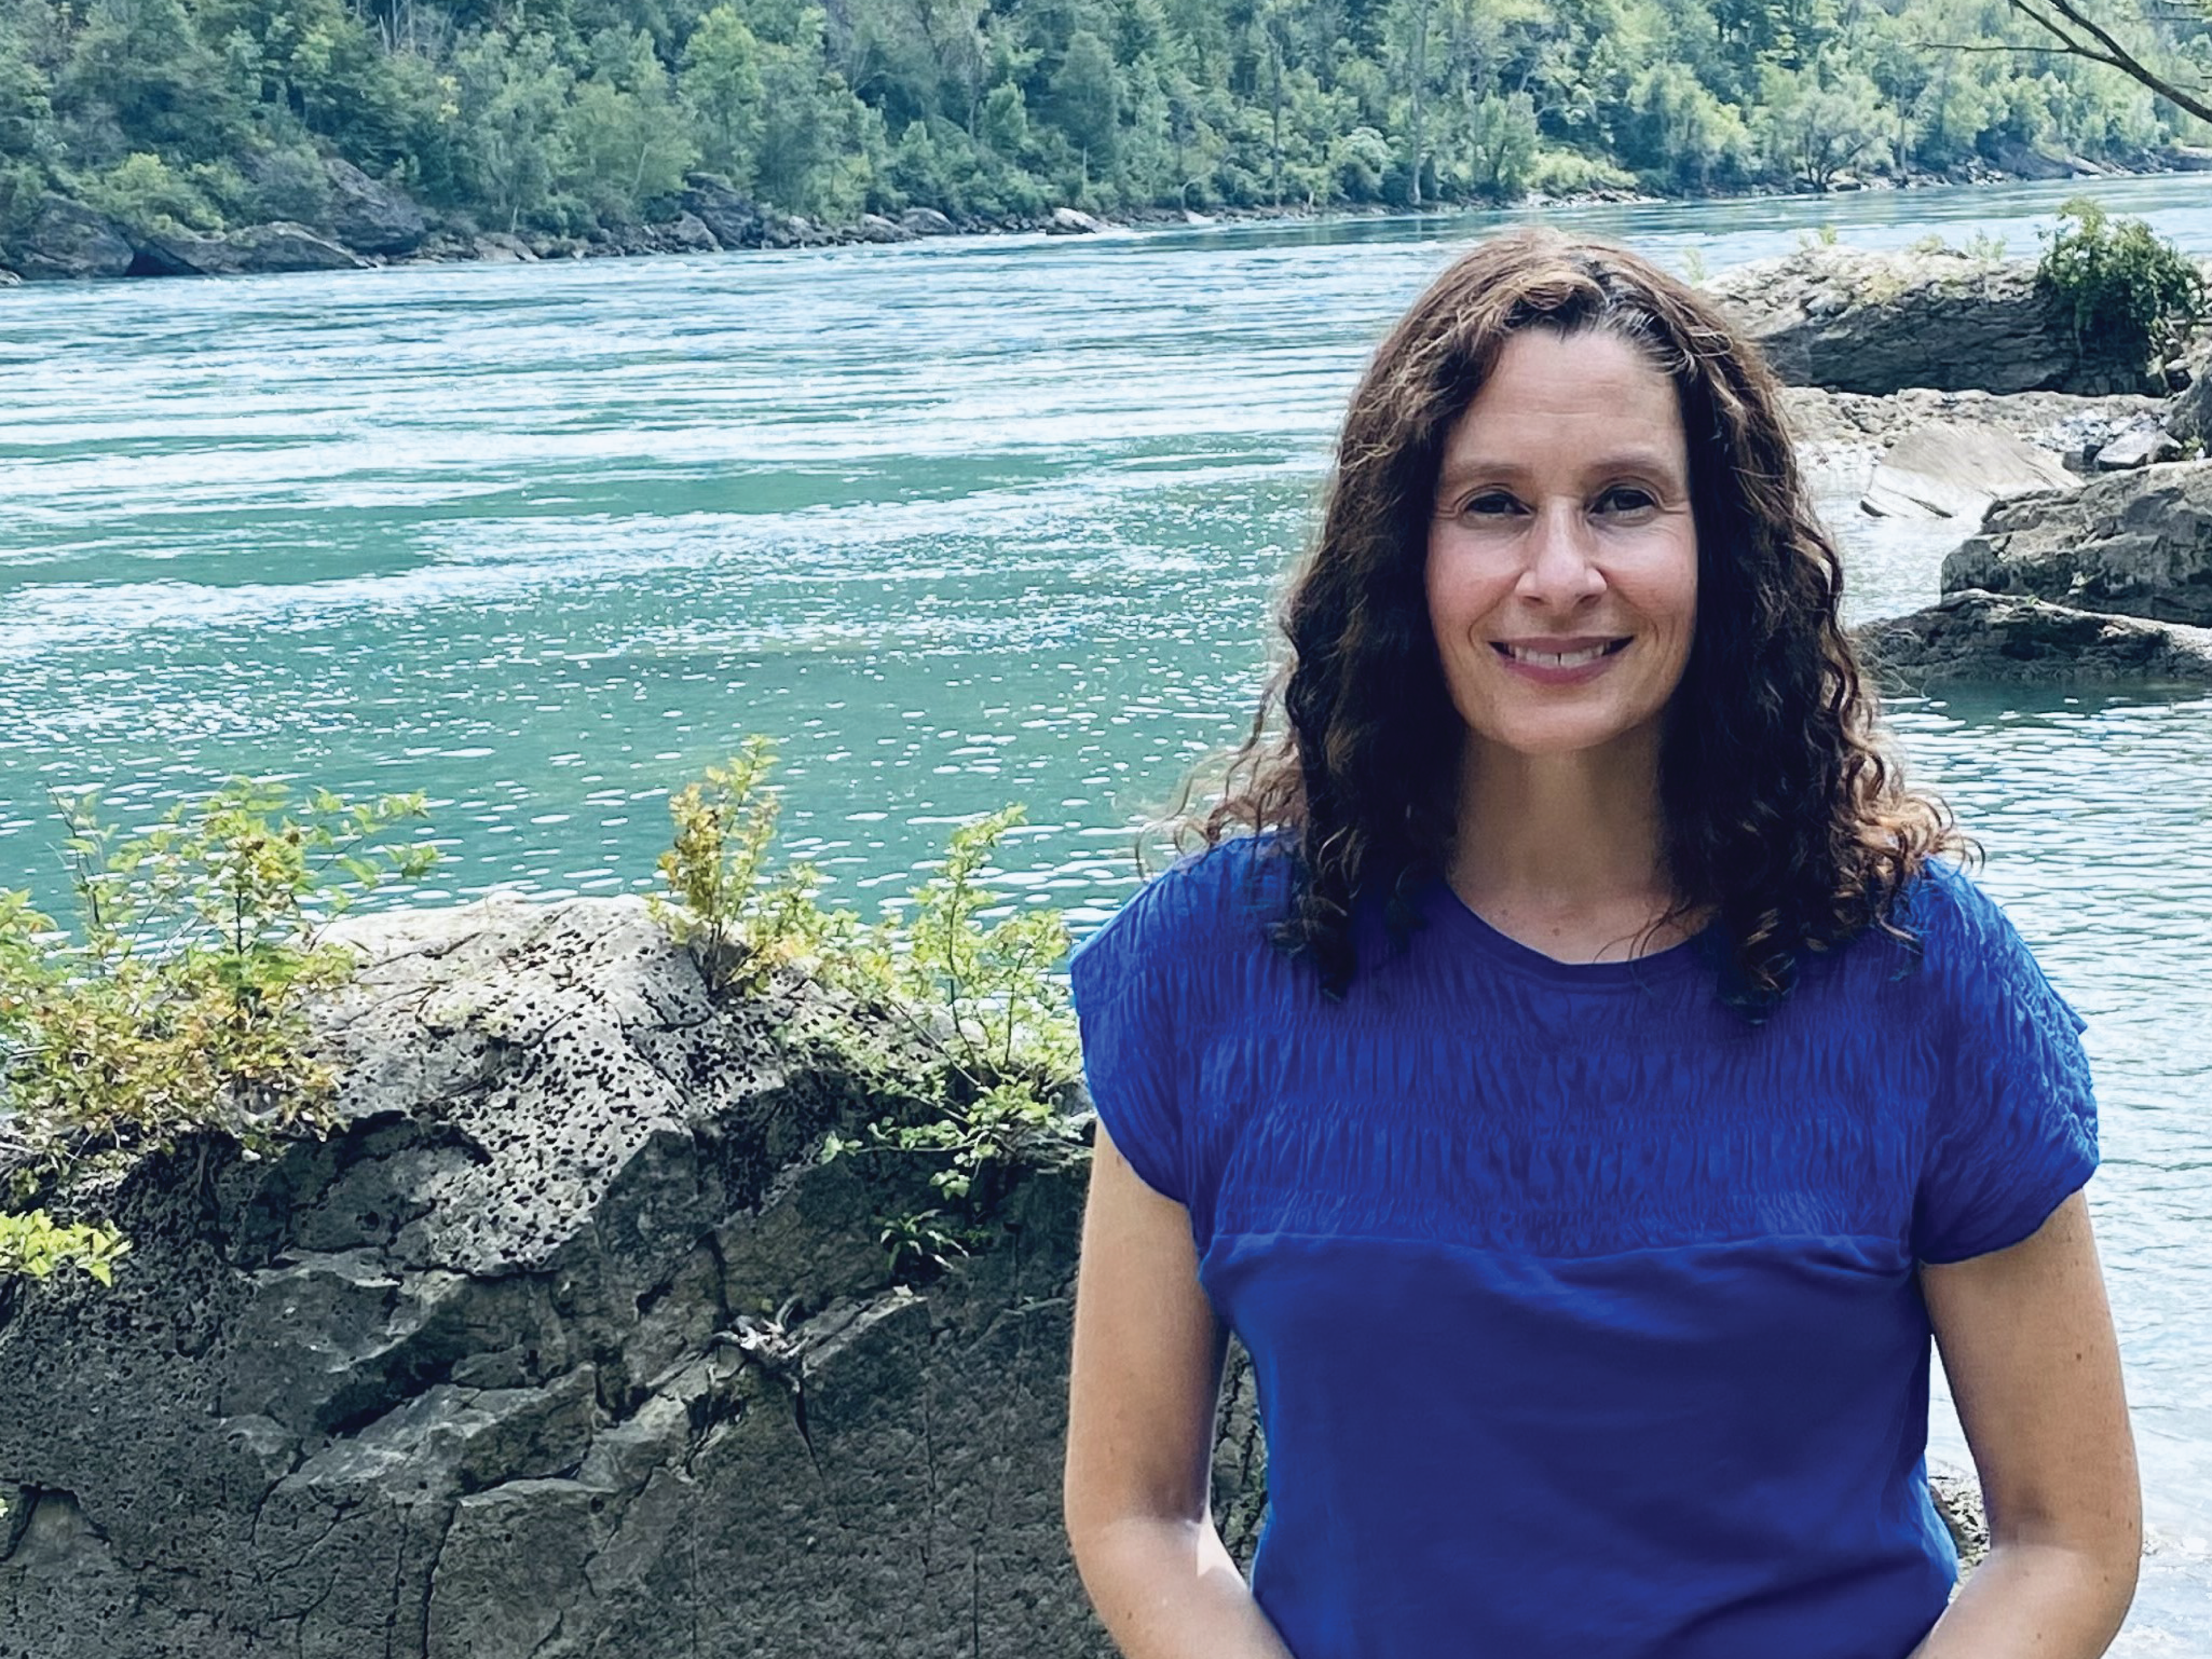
1787,818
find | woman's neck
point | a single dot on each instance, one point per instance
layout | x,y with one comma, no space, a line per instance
1565,852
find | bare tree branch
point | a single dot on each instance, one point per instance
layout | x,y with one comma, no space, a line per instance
2107,49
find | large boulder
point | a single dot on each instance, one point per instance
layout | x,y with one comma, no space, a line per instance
2008,638
1858,321
1073,221
1947,470
926,222
251,251
732,218
66,241
563,1342
368,215
2137,542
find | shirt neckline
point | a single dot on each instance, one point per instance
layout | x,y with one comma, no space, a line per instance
1452,915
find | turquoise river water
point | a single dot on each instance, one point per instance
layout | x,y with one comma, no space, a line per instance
958,523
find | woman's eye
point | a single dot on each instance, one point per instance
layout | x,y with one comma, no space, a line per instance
1625,498
1495,503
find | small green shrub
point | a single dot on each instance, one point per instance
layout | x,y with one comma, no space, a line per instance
2131,298
34,1244
1569,173
979,997
180,1003
145,194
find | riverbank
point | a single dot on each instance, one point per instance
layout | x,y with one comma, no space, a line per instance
370,224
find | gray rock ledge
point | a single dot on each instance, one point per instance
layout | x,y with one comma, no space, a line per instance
1970,636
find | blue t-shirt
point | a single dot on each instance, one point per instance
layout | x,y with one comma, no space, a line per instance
1583,1311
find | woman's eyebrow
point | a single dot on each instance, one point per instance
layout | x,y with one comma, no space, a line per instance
1462,472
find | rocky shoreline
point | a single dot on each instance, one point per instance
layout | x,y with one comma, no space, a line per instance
369,222
1931,384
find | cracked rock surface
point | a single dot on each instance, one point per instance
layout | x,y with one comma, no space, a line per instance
2138,543
562,1344
1853,320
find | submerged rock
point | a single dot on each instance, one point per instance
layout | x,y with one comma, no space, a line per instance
563,1343
1947,470
1877,323
1973,636
2137,542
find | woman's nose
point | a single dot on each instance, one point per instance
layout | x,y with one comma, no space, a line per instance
1562,567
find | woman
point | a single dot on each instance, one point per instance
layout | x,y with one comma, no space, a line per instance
1590,1085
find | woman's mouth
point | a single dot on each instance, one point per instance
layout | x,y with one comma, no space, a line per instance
1557,653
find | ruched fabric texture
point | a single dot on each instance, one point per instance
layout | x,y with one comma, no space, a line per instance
1582,1240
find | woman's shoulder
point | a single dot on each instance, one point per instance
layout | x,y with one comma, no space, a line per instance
1215,901
1973,956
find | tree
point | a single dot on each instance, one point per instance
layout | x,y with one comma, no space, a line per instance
1086,103
720,80
2079,34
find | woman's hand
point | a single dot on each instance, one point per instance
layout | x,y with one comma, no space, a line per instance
1143,1383
2027,1340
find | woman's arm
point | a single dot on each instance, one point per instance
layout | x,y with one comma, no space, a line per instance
1142,1388
2027,1340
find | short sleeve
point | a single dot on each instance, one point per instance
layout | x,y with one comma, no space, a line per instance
1126,1008
2014,1126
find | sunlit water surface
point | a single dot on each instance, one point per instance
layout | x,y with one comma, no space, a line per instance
958,523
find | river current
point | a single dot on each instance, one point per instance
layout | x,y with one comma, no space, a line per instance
957,523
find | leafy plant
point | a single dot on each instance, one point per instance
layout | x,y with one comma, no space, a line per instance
978,996
181,1002
2131,298
738,924
35,1245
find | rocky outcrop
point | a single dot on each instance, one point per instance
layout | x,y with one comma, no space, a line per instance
2072,428
65,241
730,216
369,215
2138,543
1970,635
926,222
562,1343
1072,222
2140,445
253,250
1947,470
1877,323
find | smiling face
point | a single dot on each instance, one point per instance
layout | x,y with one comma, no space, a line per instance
1563,558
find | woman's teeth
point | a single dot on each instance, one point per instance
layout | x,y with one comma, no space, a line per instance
1557,659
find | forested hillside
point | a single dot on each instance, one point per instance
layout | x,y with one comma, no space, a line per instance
567,116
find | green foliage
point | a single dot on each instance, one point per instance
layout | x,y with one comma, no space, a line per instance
33,1244
976,997
180,1001
146,193
741,926
570,116
2131,298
